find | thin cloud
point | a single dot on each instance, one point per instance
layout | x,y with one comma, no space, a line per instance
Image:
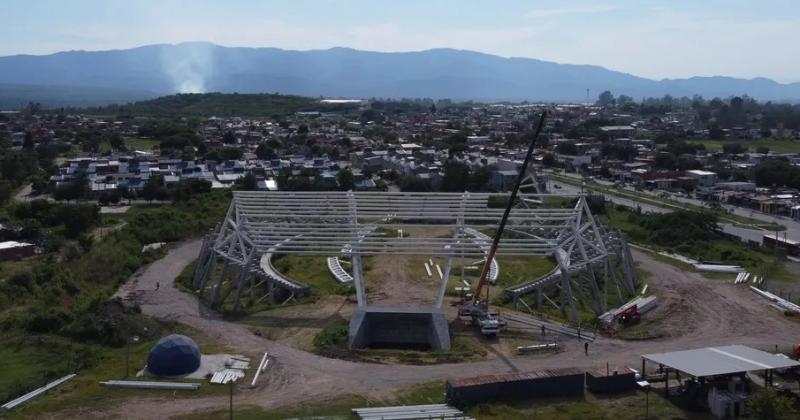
574,10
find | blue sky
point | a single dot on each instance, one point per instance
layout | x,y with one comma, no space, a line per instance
650,38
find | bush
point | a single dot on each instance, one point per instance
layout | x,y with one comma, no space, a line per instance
332,337
48,320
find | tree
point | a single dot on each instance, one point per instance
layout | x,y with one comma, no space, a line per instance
769,405
116,142
228,137
456,176
567,149
605,99
152,188
265,152
776,172
230,153
733,148
624,100
28,143
78,218
345,179
247,183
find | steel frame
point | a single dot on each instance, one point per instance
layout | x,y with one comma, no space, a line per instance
355,224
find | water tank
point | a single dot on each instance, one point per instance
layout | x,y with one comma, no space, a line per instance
174,355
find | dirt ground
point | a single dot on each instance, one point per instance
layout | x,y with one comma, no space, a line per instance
400,281
693,312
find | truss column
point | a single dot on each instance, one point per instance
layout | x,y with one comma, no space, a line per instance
239,285
566,288
211,266
215,297
599,303
201,259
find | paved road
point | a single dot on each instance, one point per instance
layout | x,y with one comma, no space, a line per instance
696,311
792,226
740,232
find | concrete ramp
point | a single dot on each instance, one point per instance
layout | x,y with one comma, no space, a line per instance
401,327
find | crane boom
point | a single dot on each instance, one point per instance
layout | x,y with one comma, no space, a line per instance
476,299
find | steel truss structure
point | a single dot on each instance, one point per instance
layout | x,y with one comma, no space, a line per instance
259,225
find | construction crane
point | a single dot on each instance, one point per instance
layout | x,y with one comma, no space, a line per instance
478,308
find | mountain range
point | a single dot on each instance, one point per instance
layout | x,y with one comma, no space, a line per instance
100,77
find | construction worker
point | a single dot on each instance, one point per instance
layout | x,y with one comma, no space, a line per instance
543,332
157,285
586,347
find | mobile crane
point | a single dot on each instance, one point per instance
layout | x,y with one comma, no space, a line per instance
478,308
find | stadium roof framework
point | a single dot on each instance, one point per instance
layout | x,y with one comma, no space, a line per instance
260,224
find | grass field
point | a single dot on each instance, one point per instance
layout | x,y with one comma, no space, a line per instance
756,261
133,144
780,146
31,357
626,406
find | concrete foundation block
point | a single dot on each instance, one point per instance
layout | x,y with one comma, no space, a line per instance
400,327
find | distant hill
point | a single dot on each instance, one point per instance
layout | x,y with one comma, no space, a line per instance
218,104
437,73
18,96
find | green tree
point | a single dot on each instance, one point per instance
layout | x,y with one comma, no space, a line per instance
116,142
152,189
265,152
456,176
769,405
230,153
733,148
606,98
247,183
345,179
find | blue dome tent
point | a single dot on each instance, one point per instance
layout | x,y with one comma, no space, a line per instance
174,355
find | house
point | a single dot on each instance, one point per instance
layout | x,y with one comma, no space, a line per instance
705,179
13,250
503,180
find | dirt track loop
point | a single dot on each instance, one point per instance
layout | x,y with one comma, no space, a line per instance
696,312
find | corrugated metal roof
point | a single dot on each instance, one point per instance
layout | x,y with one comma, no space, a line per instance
513,377
722,360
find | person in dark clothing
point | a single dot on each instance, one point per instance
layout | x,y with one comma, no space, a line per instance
586,347
157,285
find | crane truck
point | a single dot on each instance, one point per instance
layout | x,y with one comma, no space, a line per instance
478,307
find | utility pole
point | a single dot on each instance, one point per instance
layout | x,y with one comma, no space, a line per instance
230,383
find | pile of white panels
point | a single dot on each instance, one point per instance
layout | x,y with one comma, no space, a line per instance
411,412
742,278
181,386
226,375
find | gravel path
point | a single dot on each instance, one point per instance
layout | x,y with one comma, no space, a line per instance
697,312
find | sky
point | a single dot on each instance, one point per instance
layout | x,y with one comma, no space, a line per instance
650,38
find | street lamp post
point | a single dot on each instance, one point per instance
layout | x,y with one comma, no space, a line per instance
135,339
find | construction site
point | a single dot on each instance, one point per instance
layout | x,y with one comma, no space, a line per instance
520,298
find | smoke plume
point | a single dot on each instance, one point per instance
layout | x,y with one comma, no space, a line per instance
189,65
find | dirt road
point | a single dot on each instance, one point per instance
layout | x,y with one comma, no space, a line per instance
697,312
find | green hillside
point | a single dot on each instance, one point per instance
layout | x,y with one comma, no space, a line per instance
218,104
